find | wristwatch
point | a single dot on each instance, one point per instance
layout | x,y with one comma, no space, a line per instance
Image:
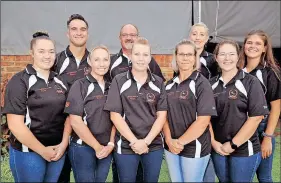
267,135
233,146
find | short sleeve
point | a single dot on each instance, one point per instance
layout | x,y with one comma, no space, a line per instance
162,102
113,101
206,105
257,105
15,96
75,102
273,87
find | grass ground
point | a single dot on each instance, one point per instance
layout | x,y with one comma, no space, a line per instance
6,175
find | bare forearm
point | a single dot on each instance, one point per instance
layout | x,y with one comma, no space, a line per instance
194,131
122,127
273,117
84,133
166,130
211,131
247,130
157,127
23,133
112,135
67,131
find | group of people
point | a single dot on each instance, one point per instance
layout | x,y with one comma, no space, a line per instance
85,111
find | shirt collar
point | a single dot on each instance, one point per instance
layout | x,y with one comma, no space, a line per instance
204,54
149,78
240,75
91,79
70,54
259,67
193,76
31,71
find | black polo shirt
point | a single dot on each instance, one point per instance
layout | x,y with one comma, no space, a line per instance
42,103
86,98
209,67
186,100
66,66
138,105
270,83
120,63
240,98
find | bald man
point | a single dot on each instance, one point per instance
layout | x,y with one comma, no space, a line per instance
121,62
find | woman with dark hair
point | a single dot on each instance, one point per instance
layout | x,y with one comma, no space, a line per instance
259,62
241,106
34,104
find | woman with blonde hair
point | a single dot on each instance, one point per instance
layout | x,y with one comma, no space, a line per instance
92,141
190,106
138,107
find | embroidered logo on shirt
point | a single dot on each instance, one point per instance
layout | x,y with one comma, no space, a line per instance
232,94
150,97
183,94
58,89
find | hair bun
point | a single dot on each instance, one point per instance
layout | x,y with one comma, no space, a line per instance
39,34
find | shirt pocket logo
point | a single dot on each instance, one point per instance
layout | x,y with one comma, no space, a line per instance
232,94
183,95
150,97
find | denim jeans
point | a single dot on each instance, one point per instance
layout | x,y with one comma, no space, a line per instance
31,167
210,175
127,165
236,169
86,166
115,177
183,169
264,171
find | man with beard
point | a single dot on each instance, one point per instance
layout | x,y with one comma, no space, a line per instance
71,64
121,62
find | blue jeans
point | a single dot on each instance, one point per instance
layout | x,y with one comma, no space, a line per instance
264,171
127,165
183,169
31,167
210,175
236,169
86,166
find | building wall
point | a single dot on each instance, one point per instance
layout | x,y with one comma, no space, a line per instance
11,64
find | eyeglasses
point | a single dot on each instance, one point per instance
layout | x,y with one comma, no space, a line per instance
131,35
223,55
188,55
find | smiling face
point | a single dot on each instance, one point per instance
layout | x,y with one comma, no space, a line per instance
227,57
199,36
128,35
77,33
99,61
140,57
254,47
43,53
185,57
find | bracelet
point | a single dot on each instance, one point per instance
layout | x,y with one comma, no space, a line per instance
110,144
267,135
